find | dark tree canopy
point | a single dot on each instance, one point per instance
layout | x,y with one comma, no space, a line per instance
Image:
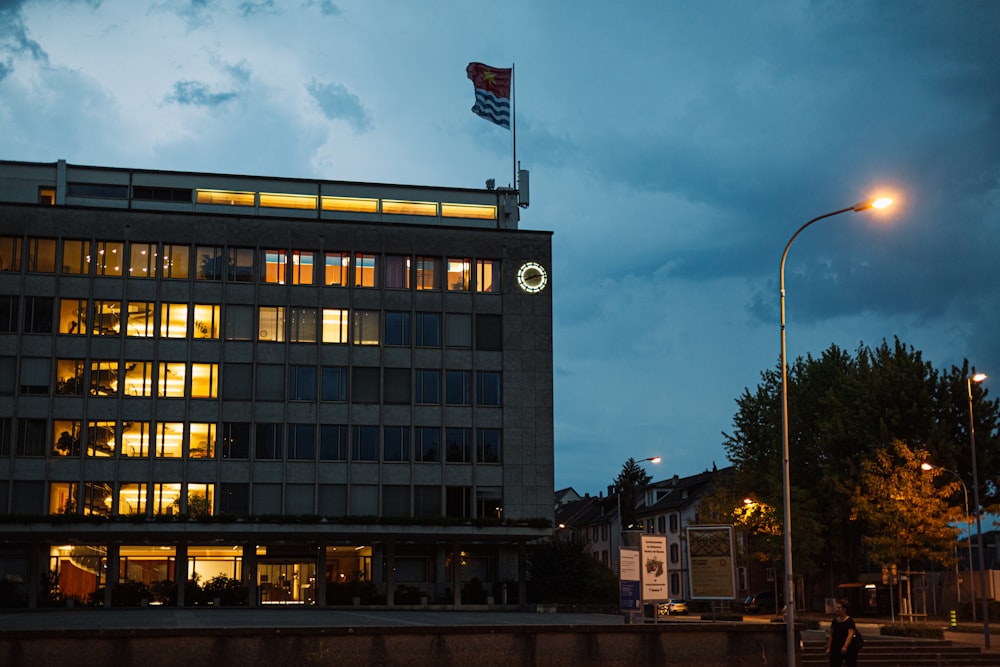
632,478
848,413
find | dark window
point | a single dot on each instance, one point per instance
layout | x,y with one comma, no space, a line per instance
301,442
396,443
237,381
269,443
458,387
427,447
332,442
236,440
365,385
6,425
428,330
270,382
458,501
397,328
211,263
241,265
428,386
302,383
397,385
97,190
31,438
365,443
489,332
147,193
334,383
234,499
426,501
397,271
458,444
8,313
458,330
488,445
396,500
488,388
38,314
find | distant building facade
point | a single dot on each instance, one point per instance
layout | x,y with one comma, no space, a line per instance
292,383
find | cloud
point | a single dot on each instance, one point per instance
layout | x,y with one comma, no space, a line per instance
326,7
196,93
258,7
14,38
337,103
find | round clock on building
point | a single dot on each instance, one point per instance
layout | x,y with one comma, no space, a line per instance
531,277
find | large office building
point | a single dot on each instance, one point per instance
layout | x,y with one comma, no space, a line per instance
296,384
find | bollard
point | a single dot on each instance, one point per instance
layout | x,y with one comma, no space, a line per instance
953,618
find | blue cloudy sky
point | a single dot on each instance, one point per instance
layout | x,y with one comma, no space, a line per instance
674,147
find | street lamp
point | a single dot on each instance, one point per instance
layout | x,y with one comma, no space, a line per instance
965,492
978,377
620,489
881,202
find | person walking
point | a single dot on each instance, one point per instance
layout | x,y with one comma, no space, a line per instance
843,640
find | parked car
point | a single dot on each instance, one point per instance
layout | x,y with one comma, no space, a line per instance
762,603
672,607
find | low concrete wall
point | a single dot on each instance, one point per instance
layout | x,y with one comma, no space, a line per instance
690,643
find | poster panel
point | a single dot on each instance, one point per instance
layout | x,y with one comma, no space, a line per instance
629,578
654,567
712,562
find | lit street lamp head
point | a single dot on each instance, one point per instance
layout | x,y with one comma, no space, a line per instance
878,202
979,377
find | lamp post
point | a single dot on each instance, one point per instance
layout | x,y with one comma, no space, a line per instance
965,492
789,577
978,377
620,489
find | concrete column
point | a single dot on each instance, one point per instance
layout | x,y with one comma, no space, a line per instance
522,575
181,572
38,572
389,563
249,574
111,567
456,573
320,576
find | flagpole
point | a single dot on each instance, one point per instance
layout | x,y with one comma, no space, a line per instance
513,120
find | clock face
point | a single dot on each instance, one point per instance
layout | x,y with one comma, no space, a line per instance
532,277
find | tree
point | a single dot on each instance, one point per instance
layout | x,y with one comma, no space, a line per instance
632,478
845,412
564,570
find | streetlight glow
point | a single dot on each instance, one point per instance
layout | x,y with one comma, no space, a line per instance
979,377
791,644
653,459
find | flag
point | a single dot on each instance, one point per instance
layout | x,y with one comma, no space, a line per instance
492,92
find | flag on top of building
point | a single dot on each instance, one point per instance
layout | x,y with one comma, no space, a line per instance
492,92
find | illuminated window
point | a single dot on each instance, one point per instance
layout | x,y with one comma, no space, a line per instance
75,257
142,260
335,325
225,197
366,327
69,377
73,316
131,498
303,263
175,261
104,377
279,200
206,321
350,204
66,437
110,256
271,324
364,271
135,439
41,255
488,276
63,497
459,274
204,380
211,262
139,319
275,262
138,379
107,318
241,265
336,268
169,438
200,500
166,500
303,325
397,207
473,211
170,380
47,196
202,441
173,320
397,271
101,438
97,498
428,273
10,253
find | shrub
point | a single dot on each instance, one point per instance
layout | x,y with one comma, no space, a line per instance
913,631
230,592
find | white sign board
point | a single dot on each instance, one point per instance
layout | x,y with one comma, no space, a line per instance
654,567
712,562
